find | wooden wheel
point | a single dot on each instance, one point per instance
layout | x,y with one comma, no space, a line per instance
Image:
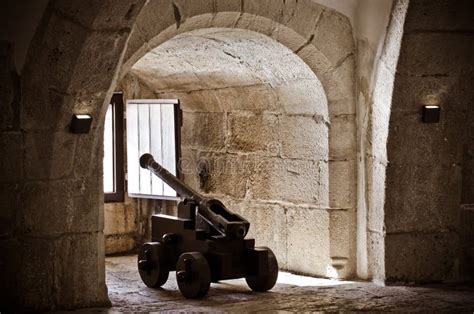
151,265
266,281
193,275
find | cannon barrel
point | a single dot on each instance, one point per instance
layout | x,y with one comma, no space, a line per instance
211,210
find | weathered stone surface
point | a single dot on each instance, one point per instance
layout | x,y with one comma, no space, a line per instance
49,155
56,207
450,16
189,8
153,19
339,81
266,8
443,59
333,37
105,15
438,250
228,5
303,97
104,50
302,16
78,266
268,226
221,174
304,137
203,130
290,180
120,243
9,205
430,203
308,228
342,188
12,156
252,133
342,227
257,98
119,218
342,137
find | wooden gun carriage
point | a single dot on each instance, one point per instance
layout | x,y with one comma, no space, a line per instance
205,243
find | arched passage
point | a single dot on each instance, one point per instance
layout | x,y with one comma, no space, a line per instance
72,67
255,117
325,44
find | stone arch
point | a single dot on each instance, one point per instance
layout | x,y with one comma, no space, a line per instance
324,43
72,67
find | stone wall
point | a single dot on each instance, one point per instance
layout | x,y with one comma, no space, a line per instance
257,140
430,165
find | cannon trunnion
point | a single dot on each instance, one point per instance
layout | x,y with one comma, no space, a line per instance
205,243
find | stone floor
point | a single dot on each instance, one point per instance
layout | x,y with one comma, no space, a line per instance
292,293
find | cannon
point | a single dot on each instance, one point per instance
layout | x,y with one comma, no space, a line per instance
205,243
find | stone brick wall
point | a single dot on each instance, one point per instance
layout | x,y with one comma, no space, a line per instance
430,165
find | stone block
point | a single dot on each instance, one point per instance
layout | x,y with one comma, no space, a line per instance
90,153
342,137
221,174
97,62
57,273
302,16
252,133
268,227
304,137
376,198
204,130
60,206
266,8
9,206
119,219
377,260
445,136
342,227
104,15
136,43
342,184
446,52
308,241
302,181
255,23
189,8
257,98
341,107
225,19
228,6
11,156
421,257
318,63
303,97
339,81
450,16
119,243
155,17
411,93
288,37
196,101
49,155
333,37
430,201
57,51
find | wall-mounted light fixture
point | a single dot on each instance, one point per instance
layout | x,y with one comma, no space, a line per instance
81,123
431,114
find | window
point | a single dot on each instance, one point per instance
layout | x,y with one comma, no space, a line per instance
113,151
152,127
